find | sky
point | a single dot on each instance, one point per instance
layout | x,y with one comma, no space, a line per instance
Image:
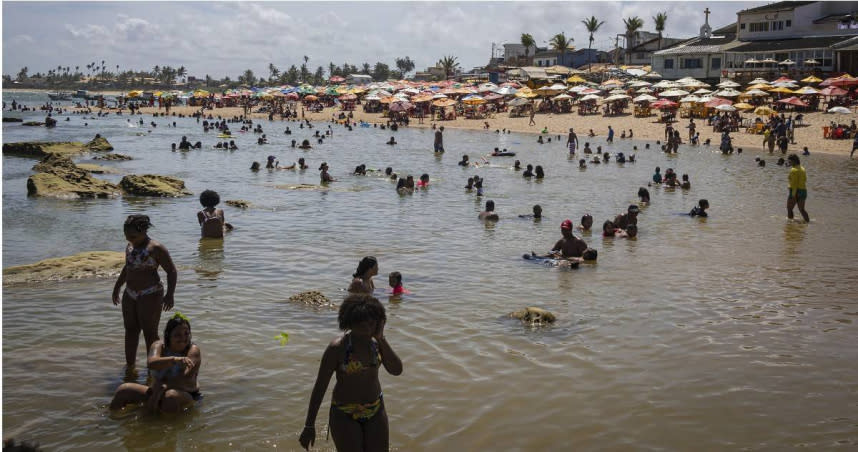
226,38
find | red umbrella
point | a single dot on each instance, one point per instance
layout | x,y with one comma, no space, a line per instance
348,97
336,79
716,101
845,81
832,91
292,96
492,96
401,106
793,101
662,104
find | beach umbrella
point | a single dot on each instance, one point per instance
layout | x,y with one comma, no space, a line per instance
401,106
590,97
611,83
411,91
135,93
617,97
575,79
784,80
811,62
845,81
764,111
493,96
438,96
759,80
725,107
674,93
702,91
644,90
310,98
840,110
727,92
769,61
786,62
762,86
691,98
518,101
506,91
728,84
390,100
743,106
563,96
664,84
644,98
617,91
336,79
689,82
578,88
781,89
372,97
756,93
421,98
652,75
526,94
789,85
811,79
639,84
805,90
663,104
751,61
473,100
716,101
793,101
586,91
444,103
348,97
487,87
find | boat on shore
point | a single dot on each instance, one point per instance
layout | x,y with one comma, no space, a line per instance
60,95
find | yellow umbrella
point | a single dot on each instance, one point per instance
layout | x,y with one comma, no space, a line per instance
781,90
743,106
201,93
474,101
389,99
135,93
342,90
575,79
764,111
812,79
158,93
761,86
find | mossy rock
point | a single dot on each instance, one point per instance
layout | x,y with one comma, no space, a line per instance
99,144
40,149
534,316
8,119
97,169
311,298
153,185
58,177
90,264
113,156
239,203
33,124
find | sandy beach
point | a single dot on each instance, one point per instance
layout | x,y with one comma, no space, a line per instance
646,129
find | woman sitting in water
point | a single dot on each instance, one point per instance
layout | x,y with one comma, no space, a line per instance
144,296
362,277
211,219
358,419
174,364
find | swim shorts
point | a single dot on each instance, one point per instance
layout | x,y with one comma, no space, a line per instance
801,194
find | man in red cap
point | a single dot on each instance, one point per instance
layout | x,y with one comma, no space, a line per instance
569,245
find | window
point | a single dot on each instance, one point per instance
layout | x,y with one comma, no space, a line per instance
777,25
690,63
742,26
759,27
668,63
789,23
716,63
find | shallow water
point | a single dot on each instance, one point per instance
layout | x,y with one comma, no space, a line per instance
733,332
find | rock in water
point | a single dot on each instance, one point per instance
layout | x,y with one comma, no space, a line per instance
41,149
58,177
99,144
311,298
113,156
33,124
91,264
534,316
239,203
8,119
153,185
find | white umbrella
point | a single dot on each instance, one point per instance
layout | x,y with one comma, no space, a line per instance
841,110
652,75
591,97
702,91
759,80
674,93
439,96
787,62
704,99
691,98
665,84
578,88
639,83
506,91
789,85
561,97
727,92
558,87
616,97
411,91
636,72
728,84
811,62
372,97
725,108
487,87
644,90
644,98
756,93
617,91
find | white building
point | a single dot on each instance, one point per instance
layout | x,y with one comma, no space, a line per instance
514,54
701,57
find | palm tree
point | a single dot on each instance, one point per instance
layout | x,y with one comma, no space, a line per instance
449,64
527,41
633,24
592,24
561,43
660,20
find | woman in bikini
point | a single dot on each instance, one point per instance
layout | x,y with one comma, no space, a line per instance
212,221
174,364
358,420
362,282
144,297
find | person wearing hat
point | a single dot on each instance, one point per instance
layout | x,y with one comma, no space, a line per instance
623,220
569,245
324,176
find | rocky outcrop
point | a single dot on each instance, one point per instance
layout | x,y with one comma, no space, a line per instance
99,144
239,203
153,185
41,149
58,177
96,169
534,316
33,124
8,119
113,156
91,264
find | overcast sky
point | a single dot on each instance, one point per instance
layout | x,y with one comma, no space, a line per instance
225,38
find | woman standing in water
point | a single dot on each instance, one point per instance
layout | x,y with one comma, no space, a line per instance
362,282
358,420
175,364
144,295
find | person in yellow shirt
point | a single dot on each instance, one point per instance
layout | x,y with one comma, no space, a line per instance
797,188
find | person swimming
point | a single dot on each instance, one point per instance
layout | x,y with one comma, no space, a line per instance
537,213
395,281
489,214
643,194
464,161
528,172
700,209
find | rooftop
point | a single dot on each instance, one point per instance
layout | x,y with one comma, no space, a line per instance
778,45
777,6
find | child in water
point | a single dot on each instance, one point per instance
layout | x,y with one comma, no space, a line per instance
424,181
395,280
700,209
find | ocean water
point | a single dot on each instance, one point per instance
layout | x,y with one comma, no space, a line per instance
731,332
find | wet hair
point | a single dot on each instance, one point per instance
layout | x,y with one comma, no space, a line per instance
209,198
685,177
632,230
539,171
643,193
254,166
400,183
490,206
703,203
585,218
793,159
606,224
537,208
139,223
388,171
360,308
424,176
396,276
590,254
175,321
364,265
